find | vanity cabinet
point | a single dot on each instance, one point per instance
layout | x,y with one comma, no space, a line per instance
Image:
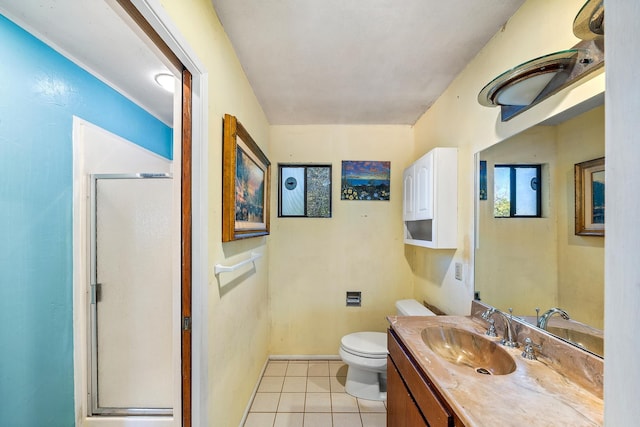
430,200
412,400
402,410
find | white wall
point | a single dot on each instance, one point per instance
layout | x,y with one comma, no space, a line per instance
236,306
314,261
622,246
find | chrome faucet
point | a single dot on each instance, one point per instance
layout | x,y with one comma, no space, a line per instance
508,339
544,319
529,352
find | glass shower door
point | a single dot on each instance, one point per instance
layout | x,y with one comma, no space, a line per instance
131,298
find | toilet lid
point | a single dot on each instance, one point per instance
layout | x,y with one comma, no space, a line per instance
372,344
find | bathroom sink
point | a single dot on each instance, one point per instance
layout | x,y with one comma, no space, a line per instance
468,349
593,343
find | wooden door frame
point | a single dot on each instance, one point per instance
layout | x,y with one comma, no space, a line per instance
186,254
152,19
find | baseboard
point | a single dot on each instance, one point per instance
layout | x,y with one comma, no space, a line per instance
253,394
304,357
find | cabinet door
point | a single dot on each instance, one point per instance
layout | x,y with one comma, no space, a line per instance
424,187
401,409
408,200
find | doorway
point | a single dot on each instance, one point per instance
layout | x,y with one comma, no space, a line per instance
112,386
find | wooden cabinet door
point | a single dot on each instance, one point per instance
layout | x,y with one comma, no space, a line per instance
401,409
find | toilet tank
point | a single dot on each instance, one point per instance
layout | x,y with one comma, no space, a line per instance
411,307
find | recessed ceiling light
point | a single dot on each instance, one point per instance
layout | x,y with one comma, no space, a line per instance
166,81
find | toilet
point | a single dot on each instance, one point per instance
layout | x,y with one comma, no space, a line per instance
365,353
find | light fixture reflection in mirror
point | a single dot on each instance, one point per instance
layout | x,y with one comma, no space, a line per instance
525,91
529,82
589,22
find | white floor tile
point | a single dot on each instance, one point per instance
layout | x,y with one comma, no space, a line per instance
317,420
289,419
319,368
276,368
295,369
299,393
265,402
342,402
318,402
337,384
270,385
294,384
374,420
259,419
346,420
371,405
318,385
337,368
291,402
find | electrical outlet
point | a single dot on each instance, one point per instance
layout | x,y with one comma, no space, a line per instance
459,271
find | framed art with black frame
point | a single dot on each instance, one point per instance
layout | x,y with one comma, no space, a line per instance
304,190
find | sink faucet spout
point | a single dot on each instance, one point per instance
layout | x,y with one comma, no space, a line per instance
544,319
508,340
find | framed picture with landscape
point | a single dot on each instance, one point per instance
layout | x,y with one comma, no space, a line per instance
365,180
246,173
590,204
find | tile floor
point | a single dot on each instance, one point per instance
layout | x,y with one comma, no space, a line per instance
310,393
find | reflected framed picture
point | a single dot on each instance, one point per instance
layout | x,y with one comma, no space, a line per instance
246,175
483,180
304,190
589,194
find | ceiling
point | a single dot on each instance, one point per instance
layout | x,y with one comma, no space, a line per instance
356,61
93,34
308,61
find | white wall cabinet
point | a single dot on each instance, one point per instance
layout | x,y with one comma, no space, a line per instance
430,204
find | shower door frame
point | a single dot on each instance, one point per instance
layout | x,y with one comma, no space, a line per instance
94,406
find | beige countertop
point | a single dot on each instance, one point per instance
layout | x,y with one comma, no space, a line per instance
534,394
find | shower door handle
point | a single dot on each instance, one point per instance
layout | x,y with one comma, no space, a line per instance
96,292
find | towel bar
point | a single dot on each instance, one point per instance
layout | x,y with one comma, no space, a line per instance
219,268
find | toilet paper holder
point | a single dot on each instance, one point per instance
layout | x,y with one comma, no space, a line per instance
354,298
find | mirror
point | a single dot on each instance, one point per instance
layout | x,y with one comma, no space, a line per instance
526,263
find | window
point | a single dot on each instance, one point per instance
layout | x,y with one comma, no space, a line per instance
516,191
304,191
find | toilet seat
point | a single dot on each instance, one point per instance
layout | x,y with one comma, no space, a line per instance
372,345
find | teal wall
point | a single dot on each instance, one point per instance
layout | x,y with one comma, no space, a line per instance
40,91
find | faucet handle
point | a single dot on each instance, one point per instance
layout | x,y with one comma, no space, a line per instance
487,313
528,352
491,332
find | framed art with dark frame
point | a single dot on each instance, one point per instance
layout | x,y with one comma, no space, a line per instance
304,190
246,173
589,193
365,180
